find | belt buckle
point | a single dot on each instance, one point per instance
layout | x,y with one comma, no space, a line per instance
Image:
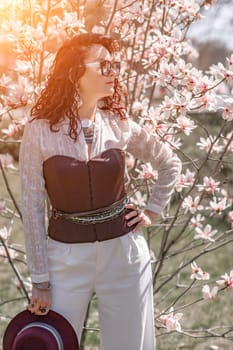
54,214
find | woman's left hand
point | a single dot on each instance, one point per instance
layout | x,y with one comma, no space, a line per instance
141,218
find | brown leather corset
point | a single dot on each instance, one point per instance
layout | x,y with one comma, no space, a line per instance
76,186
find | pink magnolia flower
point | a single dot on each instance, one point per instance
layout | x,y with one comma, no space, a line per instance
3,255
196,221
185,124
189,7
154,52
6,160
228,110
221,72
23,67
139,12
192,205
154,115
70,23
209,294
18,284
171,321
218,206
166,74
227,196
5,80
139,199
185,180
230,217
206,101
183,67
230,62
209,185
198,274
227,74
204,84
228,113
226,281
147,172
11,131
174,142
4,233
162,129
118,20
139,106
205,144
167,108
206,233
20,93
190,82
3,109
208,143
223,89
182,103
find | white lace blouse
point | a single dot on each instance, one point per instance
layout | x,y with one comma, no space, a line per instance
39,144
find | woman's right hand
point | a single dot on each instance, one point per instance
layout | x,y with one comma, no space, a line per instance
40,301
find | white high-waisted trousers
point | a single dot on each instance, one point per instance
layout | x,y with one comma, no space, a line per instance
119,272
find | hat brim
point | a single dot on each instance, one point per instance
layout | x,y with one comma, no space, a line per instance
64,328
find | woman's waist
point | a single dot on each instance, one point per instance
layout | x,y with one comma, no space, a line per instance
94,216
69,231
94,213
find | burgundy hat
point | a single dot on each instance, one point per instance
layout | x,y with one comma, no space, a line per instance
27,331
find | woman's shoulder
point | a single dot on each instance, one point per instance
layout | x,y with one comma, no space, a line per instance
37,122
124,129
114,120
36,127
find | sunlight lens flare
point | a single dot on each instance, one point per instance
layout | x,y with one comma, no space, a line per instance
9,4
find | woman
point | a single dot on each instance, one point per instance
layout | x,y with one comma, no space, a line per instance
74,149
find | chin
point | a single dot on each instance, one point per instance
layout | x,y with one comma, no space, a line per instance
111,91
108,94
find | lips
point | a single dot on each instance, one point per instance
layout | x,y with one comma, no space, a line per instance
110,82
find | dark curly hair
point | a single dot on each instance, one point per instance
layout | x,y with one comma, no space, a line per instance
59,99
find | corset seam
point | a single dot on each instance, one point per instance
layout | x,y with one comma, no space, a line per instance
91,194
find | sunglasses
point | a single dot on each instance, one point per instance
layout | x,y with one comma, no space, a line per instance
106,67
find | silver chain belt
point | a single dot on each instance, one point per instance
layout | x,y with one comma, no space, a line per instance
87,219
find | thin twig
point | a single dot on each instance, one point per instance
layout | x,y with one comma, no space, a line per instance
9,190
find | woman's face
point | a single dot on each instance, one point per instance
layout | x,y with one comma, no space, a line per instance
93,84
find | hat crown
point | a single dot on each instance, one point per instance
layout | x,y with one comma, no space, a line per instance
27,331
46,333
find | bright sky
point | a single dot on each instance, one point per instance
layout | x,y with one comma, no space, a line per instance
217,25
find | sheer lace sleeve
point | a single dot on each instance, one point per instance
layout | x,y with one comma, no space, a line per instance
148,148
33,202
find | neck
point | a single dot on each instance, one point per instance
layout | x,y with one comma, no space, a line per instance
87,110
